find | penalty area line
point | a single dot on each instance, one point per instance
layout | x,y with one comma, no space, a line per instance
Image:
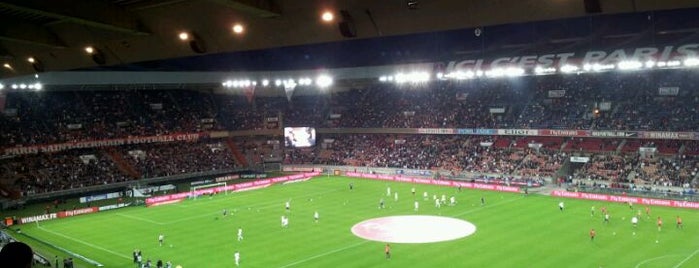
686,259
325,254
85,243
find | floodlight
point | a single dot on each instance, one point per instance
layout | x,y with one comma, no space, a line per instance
22,86
278,82
691,62
569,68
238,28
38,86
541,70
327,16
673,63
89,49
2,86
184,36
629,65
265,82
650,64
14,86
36,64
324,81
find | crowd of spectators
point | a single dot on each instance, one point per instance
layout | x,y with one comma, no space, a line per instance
46,172
593,101
454,153
160,160
612,100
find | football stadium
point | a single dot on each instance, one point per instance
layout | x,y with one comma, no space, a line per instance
416,133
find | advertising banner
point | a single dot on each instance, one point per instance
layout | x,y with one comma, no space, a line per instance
626,199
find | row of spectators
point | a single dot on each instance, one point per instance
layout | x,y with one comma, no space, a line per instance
642,170
619,101
46,172
443,152
454,153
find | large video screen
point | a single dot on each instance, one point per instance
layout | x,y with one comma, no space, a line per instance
298,137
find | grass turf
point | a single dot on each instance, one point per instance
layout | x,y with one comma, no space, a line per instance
513,230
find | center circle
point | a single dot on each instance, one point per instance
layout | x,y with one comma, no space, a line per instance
413,229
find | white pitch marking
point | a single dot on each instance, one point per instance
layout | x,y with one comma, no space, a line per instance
325,254
139,219
652,259
686,259
85,243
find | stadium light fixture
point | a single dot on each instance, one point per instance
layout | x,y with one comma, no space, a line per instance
650,64
512,71
495,72
38,86
673,63
277,82
7,66
569,68
2,86
661,64
541,70
265,82
184,36
324,81
629,65
22,86
238,28
602,67
14,86
382,78
691,62
89,50
36,64
327,16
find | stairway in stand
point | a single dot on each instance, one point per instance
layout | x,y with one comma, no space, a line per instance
122,164
236,152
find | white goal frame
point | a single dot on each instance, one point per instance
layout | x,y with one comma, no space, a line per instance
194,189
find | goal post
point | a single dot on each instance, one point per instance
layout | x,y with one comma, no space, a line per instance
198,190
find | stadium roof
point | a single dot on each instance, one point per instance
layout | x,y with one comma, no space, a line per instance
141,34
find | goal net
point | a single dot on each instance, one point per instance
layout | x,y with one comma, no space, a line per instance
208,190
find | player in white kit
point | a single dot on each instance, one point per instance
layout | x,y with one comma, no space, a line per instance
236,256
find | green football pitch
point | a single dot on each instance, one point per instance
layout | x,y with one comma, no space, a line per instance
513,230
